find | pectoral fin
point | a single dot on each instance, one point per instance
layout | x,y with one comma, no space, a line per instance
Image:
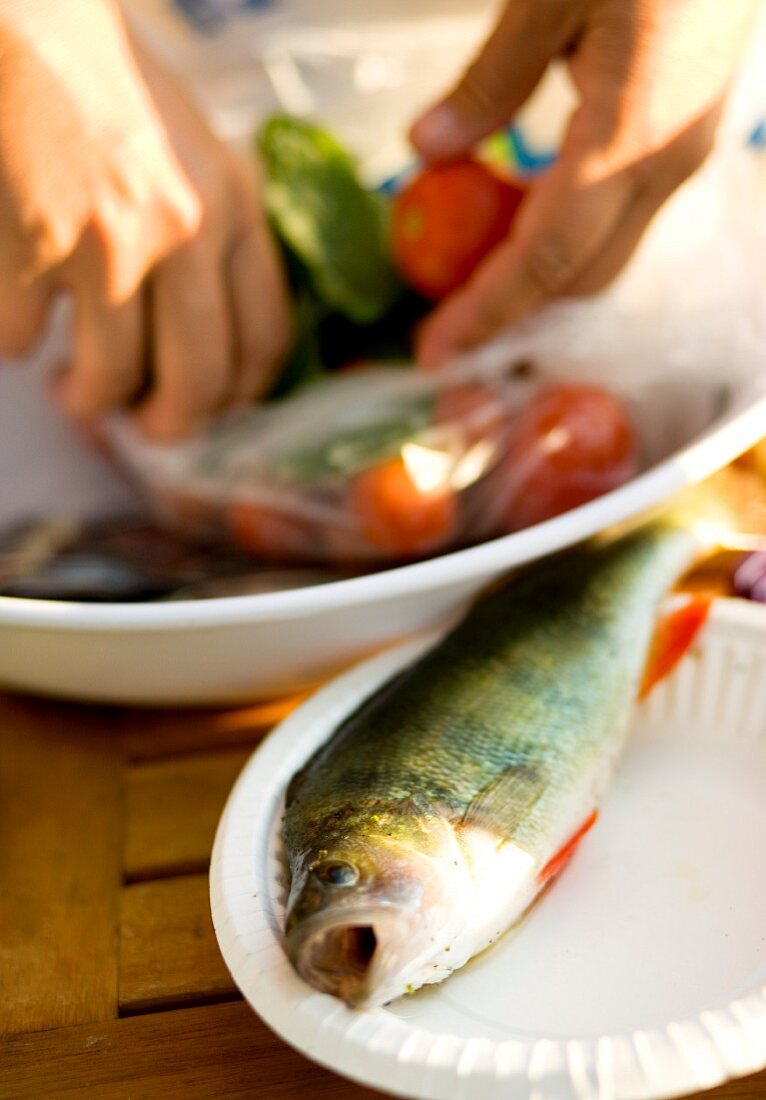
503,804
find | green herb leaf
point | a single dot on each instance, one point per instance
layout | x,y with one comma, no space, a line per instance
356,449
320,210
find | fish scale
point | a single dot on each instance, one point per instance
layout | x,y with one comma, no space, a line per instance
496,690
496,744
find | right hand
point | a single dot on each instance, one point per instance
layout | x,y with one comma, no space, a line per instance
113,188
651,77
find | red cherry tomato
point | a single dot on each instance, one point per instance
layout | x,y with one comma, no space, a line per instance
570,445
269,534
398,517
445,222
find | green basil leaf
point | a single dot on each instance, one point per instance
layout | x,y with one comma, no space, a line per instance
338,230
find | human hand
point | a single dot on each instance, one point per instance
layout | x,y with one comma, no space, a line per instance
651,77
113,188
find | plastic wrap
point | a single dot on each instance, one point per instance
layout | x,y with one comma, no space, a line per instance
680,337
393,464
388,464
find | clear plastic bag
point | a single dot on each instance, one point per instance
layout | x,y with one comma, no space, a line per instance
389,464
680,335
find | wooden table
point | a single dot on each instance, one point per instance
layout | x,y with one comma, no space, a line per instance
111,984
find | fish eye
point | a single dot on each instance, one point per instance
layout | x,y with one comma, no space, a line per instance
336,872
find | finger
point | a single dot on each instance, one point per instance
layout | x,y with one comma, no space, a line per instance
107,367
133,230
22,316
191,344
499,299
503,75
619,248
261,312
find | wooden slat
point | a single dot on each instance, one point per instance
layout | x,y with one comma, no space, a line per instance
746,1088
60,856
173,808
168,951
198,1054
152,735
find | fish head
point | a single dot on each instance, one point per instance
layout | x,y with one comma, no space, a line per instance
373,905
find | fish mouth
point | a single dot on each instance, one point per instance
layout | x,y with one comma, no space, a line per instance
350,958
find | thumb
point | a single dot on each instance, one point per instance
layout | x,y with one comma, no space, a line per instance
503,75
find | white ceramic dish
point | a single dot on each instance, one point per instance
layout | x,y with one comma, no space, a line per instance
641,974
690,304
239,648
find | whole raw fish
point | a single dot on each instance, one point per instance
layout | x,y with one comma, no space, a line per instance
428,823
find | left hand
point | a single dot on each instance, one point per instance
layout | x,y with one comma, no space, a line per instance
114,190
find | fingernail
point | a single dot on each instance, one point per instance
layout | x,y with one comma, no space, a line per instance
438,133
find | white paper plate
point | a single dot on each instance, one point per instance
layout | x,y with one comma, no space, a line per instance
642,973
